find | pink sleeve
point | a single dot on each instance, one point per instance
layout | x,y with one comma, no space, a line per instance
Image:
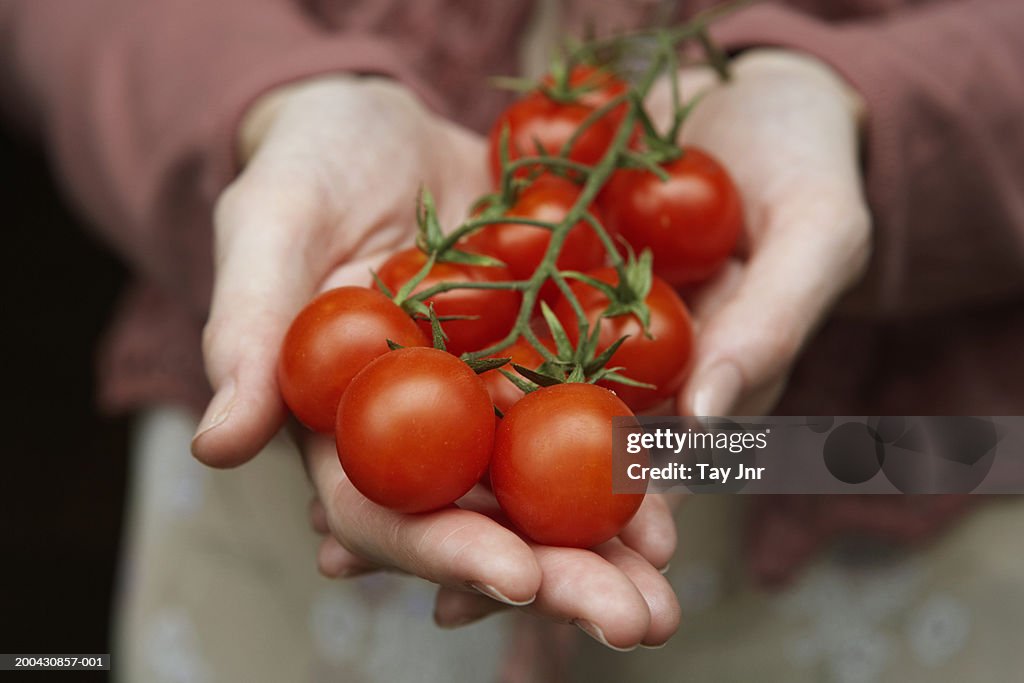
944,144
138,103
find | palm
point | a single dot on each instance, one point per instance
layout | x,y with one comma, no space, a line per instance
784,128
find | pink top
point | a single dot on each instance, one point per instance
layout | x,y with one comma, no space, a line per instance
138,102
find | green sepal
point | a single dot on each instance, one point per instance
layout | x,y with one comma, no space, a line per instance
439,336
482,365
469,259
521,384
612,375
577,375
562,344
606,355
385,290
536,377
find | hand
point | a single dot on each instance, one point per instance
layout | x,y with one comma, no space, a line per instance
333,169
786,127
613,592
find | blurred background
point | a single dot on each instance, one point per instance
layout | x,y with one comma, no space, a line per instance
65,465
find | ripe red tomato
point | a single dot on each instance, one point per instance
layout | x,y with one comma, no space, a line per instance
663,361
552,466
538,118
601,86
521,247
504,393
415,430
335,336
496,308
691,222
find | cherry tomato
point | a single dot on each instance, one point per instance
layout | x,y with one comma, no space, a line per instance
521,247
552,466
599,86
537,118
690,222
495,309
504,393
415,430
335,336
663,360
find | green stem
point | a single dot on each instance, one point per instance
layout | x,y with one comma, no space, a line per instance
594,178
578,211
591,119
471,226
442,287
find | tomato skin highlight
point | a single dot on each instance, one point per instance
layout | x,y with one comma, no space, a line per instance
335,336
415,430
552,466
663,360
691,222
521,247
496,308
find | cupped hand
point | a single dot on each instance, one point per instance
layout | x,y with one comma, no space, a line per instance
613,592
333,169
786,127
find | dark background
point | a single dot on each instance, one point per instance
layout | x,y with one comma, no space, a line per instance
65,465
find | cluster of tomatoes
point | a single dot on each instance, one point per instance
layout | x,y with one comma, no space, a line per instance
417,426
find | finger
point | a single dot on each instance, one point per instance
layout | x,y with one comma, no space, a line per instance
454,608
334,561
655,589
810,253
582,587
262,279
318,517
451,547
652,532
708,297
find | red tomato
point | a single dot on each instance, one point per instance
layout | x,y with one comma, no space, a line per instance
663,361
415,430
496,308
690,222
504,393
552,466
335,336
537,118
522,247
601,86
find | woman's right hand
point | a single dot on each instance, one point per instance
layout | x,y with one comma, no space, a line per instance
333,166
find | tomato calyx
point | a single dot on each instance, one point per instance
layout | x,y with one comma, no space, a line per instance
579,363
630,295
439,341
438,248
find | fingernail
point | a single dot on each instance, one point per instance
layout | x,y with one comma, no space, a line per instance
716,389
495,594
597,634
218,410
456,622
653,647
664,570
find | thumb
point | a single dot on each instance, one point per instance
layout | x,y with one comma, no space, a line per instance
262,279
808,255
